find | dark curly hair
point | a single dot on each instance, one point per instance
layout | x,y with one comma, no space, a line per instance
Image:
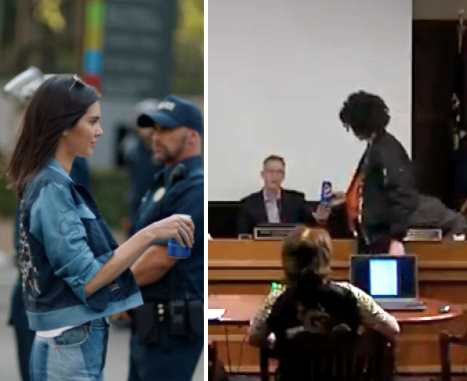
365,114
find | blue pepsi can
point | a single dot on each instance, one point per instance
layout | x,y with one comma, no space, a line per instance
326,192
176,250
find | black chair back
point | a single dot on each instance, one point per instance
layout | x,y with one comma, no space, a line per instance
322,357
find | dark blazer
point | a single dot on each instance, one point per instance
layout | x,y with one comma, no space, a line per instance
293,209
389,191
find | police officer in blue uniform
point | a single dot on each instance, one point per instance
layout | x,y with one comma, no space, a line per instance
167,331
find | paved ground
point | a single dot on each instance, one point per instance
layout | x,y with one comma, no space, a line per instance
117,357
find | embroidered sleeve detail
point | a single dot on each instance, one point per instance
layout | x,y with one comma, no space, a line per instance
29,272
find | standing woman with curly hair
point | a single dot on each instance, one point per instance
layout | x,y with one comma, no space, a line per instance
389,201
388,196
74,274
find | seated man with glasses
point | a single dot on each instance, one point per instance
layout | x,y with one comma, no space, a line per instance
273,204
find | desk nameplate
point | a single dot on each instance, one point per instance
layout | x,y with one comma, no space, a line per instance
272,233
424,235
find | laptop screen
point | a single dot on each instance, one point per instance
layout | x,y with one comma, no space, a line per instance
385,276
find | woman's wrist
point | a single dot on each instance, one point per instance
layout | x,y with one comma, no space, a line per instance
149,235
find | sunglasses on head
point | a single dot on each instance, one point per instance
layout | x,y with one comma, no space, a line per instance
76,80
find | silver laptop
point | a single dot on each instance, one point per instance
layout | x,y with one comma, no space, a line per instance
391,281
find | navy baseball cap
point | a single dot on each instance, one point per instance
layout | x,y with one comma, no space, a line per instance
173,112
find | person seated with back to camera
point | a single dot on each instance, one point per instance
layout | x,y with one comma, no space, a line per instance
274,204
310,301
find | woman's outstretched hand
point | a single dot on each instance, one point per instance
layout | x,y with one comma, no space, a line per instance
177,226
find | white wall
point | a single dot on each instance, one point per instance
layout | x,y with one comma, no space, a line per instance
279,71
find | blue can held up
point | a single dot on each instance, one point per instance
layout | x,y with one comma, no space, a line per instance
326,192
175,250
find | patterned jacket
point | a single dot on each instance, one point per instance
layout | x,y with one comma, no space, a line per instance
371,314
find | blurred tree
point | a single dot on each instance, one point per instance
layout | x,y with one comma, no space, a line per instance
38,32
189,48
49,13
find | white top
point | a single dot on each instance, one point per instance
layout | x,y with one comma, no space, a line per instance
55,332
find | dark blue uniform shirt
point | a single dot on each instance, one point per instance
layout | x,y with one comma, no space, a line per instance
183,193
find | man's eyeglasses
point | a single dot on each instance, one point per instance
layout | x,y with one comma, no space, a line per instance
76,80
276,171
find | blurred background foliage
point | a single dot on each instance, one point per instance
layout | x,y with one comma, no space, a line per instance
48,33
189,48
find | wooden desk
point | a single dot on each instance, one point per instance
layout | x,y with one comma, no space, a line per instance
413,355
248,267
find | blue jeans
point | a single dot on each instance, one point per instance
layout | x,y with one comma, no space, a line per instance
76,355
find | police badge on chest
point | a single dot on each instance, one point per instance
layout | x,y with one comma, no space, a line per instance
158,194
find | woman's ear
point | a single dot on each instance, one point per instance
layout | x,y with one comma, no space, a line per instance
65,133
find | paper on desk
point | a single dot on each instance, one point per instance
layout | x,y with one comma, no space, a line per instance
215,313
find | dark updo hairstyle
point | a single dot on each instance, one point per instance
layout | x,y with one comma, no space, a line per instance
306,256
57,105
365,114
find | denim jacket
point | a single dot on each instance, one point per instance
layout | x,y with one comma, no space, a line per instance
64,242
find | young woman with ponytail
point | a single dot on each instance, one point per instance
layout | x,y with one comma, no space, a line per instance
310,301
